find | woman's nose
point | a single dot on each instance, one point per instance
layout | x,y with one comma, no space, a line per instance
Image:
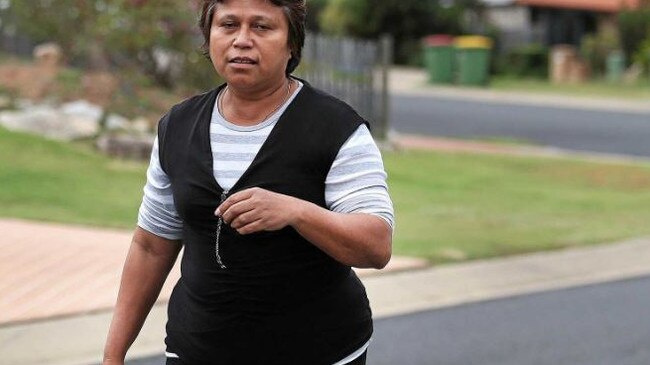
243,39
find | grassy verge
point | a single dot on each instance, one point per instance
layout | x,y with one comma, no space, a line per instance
52,181
597,88
457,206
449,206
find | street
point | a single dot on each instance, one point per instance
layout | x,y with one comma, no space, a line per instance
604,324
568,128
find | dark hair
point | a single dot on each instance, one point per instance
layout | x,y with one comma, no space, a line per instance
294,10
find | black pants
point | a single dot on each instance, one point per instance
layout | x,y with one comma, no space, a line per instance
361,360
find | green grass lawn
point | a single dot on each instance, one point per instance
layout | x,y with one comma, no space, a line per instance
451,206
53,181
596,88
463,205
448,206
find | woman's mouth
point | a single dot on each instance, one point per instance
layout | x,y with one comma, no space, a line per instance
243,61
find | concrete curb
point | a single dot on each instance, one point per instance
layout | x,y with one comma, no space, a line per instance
451,285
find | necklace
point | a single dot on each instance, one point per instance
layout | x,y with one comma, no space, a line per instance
284,100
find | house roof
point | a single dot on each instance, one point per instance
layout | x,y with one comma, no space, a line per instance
497,2
606,6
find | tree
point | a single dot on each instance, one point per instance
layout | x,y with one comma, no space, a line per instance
634,27
314,9
100,34
143,31
406,20
63,21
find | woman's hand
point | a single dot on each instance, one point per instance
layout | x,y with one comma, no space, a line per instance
113,362
255,209
359,240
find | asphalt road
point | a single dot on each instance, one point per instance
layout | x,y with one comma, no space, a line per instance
576,129
605,324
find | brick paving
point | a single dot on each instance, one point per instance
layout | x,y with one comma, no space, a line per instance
49,270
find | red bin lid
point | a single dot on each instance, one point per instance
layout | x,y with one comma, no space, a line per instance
438,40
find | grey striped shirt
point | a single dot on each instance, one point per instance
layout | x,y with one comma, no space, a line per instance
356,182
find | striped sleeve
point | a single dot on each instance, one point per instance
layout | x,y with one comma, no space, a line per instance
356,182
157,212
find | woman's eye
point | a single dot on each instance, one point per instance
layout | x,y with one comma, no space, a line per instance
261,27
228,25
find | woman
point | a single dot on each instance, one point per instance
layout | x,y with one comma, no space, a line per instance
275,190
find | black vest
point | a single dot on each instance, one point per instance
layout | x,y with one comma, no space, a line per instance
280,299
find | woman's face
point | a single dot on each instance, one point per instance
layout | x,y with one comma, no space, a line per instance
249,43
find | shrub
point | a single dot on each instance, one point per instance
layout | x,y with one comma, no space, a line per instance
634,26
642,55
595,48
525,61
124,34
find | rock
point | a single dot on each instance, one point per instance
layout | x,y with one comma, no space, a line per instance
126,146
117,122
37,120
48,55
49,122
78,119
141,125
82,109
24,104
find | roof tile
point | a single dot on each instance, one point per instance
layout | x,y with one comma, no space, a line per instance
606,6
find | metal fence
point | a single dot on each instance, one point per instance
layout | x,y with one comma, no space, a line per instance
11,41
513,39
354,71
15,44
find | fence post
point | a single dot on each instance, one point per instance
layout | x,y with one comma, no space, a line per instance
355,71
386,49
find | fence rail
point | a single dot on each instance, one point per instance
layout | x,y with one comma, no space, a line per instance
16,45
352,70
513,39
12,42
